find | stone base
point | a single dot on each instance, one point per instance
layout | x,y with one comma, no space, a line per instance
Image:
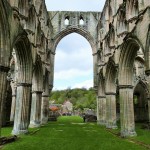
111,126
17,132
128,133
34,124
101,122
44,121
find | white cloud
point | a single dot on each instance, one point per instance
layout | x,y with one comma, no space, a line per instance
71,74
79,59
86,84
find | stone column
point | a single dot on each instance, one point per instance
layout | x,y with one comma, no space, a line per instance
35,118
3,83
13,104
21,121
101,110
44,109
127,111
149,109
111,110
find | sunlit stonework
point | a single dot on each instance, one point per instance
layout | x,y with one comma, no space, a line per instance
120,42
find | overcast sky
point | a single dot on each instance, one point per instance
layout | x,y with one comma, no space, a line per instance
73,59
75,5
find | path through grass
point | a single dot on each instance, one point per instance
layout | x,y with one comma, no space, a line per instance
70,133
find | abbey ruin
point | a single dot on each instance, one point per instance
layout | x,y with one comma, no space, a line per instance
120,40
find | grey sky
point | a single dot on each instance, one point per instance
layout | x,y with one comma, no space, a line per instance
75,5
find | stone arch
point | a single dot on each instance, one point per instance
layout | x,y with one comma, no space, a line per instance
141,96
45,97
110,89
101,100
24,58
111,74
37,79
67,19
24,61
37,90
101,85
80,31
128,53
144,85
86,35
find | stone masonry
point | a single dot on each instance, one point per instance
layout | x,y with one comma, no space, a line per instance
120,40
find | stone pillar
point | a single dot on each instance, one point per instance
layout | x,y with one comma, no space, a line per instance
13,104
147,72
111,110
101,110
21,120
35,118
3,83
127,111
44,109
149,109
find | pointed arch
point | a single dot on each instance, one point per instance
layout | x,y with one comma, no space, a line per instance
80,31
24,58
111,74
37,80
128,53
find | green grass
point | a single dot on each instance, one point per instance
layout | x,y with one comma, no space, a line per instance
70,133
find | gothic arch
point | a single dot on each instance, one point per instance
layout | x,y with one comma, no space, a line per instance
111,74
80,31
144,85
24,58
37,79
101,100
128,53
101,85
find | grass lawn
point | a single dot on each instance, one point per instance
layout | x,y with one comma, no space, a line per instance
70,133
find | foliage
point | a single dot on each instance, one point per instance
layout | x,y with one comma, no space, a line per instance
81,98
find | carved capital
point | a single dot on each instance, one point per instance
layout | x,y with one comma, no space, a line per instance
37,92
24,84
101,96
126,86
110,93
45,95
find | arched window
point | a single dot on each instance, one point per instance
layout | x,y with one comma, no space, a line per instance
81,22
67,20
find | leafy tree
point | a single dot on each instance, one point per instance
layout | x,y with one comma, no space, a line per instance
81,98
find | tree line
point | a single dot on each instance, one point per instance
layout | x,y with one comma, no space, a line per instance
80,97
